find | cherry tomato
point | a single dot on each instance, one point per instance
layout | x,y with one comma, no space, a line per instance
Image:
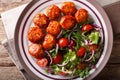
63,42
81,52
62,73
81,66
93,47
57,59
87,28
42,62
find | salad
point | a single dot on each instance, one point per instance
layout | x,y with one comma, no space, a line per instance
65,41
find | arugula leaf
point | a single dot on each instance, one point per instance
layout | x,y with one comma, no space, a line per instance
89,21
84,72
95,57
79,38
66,33
76,36
53,52
77,72
55,68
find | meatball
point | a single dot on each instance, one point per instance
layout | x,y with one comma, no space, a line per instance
35,34
36,50
81,15
67,22
53,28
68,8
53,12
41,20
49,41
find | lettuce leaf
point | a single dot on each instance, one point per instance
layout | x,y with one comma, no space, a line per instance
94,37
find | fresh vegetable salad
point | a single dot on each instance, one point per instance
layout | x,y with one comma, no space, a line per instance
65,41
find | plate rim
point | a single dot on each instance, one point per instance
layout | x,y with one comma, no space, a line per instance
105,18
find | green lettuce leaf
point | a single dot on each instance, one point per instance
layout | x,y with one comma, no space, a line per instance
94,37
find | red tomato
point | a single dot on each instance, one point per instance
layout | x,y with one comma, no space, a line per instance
81,52
62,73
63,42
42,62
81,66
93,47
57,59
87,28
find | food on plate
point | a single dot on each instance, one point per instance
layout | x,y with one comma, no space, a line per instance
81,66
53,28
67,22
69,46
57,59
93,47
68,8
81,15
63,42
87,28
81,52
53,12
35,34
43,62
41,20
49,41
36,50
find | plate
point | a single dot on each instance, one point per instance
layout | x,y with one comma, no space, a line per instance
25,21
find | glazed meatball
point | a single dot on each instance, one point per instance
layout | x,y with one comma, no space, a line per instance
53,12
81,15
36,50
67,22
49,41
41,20
68,8
35,34
53,28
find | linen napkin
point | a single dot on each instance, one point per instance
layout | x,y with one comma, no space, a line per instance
10,18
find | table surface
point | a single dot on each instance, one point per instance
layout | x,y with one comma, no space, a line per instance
8,70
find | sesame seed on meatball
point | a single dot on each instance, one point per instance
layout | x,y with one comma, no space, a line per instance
67,22
53,28
68,8
35,34
53,12
81,15
41,20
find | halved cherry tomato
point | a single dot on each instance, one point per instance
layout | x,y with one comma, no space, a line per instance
87,28
57,59
63,42
81,66
42,62
62,73
81,52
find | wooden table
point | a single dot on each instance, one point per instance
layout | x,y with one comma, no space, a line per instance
8,70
